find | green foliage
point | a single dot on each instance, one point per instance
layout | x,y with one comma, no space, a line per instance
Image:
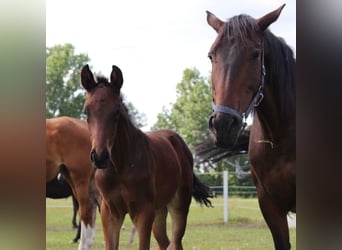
64,94
189,114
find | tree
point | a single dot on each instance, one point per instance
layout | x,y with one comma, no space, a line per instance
64,94
189,114
189,117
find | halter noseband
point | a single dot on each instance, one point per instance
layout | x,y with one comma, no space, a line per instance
254,102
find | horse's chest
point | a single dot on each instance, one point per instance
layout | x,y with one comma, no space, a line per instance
121,190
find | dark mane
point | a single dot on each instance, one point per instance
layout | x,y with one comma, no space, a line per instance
280,65
126,113
279,60
241,27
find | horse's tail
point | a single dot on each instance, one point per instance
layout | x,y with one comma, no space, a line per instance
201,192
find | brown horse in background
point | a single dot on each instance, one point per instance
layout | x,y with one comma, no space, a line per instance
144,175
253,70
67,151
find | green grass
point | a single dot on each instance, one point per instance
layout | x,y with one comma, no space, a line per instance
245,228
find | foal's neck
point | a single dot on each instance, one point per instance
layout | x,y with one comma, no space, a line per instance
126,143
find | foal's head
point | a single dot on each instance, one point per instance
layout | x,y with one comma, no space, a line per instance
103,107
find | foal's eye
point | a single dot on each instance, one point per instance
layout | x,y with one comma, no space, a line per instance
255,54
116,113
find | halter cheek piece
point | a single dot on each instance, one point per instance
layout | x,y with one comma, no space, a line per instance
255,101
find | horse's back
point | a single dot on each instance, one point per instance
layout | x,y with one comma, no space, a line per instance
65,124
172,145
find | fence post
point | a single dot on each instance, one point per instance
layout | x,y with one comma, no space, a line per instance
225,196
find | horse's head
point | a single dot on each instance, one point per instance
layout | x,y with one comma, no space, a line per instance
103,108
238,72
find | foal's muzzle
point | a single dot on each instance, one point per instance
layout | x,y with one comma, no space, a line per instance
100,161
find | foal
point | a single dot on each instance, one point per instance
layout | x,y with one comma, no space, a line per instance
144,175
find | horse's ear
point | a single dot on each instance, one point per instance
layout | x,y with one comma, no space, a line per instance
268,19
87,78
116,78
213,21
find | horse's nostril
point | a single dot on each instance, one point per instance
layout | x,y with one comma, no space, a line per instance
93,156
104,155
212,124
99,161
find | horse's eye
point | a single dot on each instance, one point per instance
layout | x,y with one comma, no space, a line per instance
210,56
85,111
116,113
255,54
85,114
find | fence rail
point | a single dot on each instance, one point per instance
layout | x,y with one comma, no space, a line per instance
235,190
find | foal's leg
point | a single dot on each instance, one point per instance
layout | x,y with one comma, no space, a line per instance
143,220
159,228
179,213
276,221
111,225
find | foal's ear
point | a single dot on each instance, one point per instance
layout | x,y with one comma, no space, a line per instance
269,18
116,78
87,78
213,21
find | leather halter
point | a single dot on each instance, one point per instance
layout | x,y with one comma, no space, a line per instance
254,102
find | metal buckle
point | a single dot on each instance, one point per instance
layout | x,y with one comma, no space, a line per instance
258,101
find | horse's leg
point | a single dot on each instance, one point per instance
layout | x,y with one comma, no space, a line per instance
75,208
78,234
131,237
178,209
88,229
87,210
276,220
111,225
143,220
159,228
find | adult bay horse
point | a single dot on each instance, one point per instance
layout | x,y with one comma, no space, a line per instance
253,70
67,151
144,175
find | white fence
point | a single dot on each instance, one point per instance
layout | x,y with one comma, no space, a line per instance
227,190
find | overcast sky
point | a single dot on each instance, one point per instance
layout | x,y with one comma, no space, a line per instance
152,41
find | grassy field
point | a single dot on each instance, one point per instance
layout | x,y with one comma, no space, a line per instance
245,228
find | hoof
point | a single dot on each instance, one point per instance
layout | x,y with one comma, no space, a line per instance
73,241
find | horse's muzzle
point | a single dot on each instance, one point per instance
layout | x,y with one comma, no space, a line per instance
100,161
226,129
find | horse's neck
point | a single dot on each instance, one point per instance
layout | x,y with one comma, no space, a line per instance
123,151
273,122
